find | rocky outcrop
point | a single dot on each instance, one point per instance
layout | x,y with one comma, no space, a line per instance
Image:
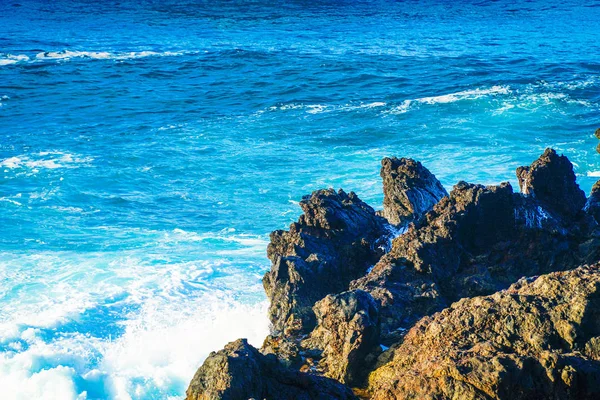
479,240
340,293
551,181
592,205
334,242
537,340
239,371
409,190
347,334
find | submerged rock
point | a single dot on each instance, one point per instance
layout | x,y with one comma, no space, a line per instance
409,190
336,239
240,372
537,340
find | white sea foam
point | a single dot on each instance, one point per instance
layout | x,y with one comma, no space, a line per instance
167,316
102,55
10,59
179,341
471,94
464,95
326,108
45,160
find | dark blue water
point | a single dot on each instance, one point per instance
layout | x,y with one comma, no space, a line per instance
147,148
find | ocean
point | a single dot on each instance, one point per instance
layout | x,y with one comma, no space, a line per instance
148,148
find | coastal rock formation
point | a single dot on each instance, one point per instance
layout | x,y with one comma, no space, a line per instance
336,239
551,181
409,190
479,240
592,205
347,333
591,247
539,339
240,371
341,294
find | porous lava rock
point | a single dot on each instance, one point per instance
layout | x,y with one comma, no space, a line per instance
539,339
409,190
551,181
347,333
240,372
335,241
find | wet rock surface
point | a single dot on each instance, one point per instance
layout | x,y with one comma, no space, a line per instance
536,340
340,294
479,240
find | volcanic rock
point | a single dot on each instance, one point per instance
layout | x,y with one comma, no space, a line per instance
479,240
336,239
409,190
539,339
551,181
240,372
347,332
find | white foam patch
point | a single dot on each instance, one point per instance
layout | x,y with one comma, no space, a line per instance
470,94
10,59
165,344
44,160
124,325
326,108
65,55
464,95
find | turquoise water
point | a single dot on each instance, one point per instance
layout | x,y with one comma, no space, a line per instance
148,148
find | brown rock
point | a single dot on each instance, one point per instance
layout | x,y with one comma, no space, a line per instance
240,372
409,190
536,340
336,239
551,181
347,332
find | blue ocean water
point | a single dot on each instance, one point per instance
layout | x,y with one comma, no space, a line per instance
147,148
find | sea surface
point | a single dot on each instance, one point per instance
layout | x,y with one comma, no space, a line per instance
147,149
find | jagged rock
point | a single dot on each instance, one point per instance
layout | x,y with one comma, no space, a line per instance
551,181
329,310
347,333
334,242
409,190
409,281
287,351
476,241
590,249
597,133
592,206
540,339
240,372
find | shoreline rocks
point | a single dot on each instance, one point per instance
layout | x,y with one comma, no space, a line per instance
340,295
336,239
240,371
409,190
537,339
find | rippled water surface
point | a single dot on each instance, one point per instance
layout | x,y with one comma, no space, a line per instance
147,148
